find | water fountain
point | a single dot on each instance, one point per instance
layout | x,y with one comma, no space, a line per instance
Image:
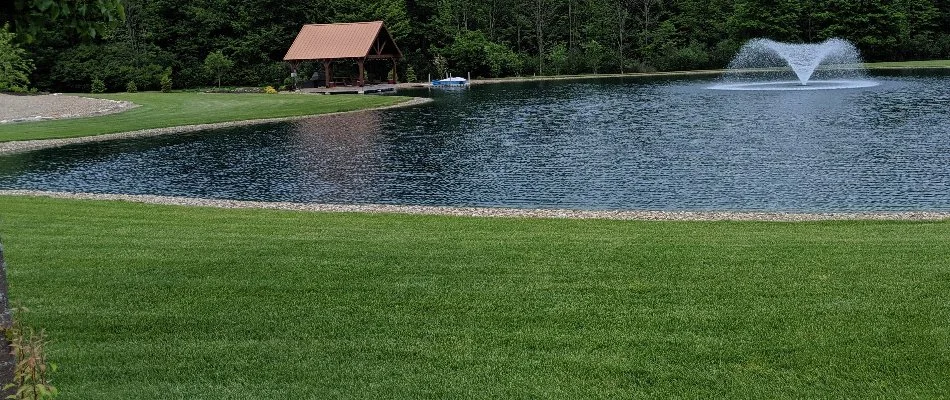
764,64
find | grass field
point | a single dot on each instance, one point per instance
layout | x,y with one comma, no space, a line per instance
157,302
160,110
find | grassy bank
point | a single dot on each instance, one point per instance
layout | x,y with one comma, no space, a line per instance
877,65
150,302
910,64
161,110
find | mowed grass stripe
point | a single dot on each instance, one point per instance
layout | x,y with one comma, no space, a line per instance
161,110
147,301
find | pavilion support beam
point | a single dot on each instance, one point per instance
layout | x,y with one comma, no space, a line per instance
293,71
326,74
395,77
359,80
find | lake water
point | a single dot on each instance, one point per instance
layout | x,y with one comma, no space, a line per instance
630,144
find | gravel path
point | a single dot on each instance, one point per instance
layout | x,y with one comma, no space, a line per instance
495,212
55,106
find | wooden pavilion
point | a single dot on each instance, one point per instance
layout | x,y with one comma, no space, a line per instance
359,41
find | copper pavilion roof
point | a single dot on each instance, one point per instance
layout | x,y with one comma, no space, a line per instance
346,40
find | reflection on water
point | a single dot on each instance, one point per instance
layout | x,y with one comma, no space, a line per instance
666,144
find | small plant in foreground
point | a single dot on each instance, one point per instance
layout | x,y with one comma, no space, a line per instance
31,373
131,87
270,90
98,86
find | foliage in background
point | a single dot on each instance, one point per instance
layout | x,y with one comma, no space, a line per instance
216,64
484,37
15,67
115,64
31,379
471,51
131,87
83,18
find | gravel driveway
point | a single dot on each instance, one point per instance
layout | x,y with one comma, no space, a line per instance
55,106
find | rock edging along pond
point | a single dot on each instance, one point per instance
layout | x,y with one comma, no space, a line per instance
494,212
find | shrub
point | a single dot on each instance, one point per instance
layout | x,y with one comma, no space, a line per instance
130,87
270,90
693,56
98,86
166,82
411,74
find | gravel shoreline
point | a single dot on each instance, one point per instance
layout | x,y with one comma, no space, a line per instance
495,212
30,145
25,108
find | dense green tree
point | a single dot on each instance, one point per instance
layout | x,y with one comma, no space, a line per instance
217,64
558,57
594,53
485,37
472,52
501,60
15,67
86,18
113,63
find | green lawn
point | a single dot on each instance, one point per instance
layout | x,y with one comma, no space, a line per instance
159,110
910,64
158,302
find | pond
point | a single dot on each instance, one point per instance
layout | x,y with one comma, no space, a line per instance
624,143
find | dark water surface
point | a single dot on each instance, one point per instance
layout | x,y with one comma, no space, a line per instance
657,144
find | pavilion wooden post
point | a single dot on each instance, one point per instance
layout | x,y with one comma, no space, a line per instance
395,77
359,80
326,74
293,72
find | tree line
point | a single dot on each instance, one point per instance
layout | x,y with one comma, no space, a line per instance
118,41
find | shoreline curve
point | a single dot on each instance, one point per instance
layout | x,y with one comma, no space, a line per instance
499,212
